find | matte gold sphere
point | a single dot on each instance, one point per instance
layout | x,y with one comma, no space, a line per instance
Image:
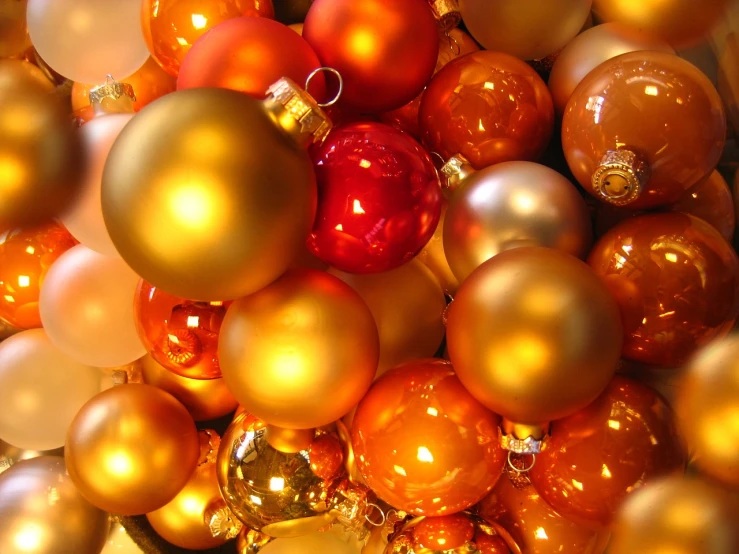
205,197
534,334
433,256
131,449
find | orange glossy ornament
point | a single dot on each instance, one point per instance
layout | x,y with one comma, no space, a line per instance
423,443
25,257
534,525
677,283
488,106
711,201
172,26
326,456
180,334
443,533
594,458
642,128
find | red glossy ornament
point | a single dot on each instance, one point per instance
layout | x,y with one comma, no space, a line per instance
423,443
488,106
326,456
594,458
385,51
676,281
642,128
182,335
249,54
379,198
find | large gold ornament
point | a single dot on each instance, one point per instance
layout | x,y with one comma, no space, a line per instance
433,256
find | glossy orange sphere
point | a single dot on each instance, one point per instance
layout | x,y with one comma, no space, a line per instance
172,26
711,201
423,443
182,335
656,105
596,457
25,256
326,456
677,283
488,106
443,533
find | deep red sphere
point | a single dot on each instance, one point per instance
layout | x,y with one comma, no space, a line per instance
249,54
379,198
385,50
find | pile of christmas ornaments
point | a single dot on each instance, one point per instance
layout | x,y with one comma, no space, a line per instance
351,276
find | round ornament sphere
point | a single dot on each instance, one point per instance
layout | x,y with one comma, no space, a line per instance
13,29
712,201
379,198
205,197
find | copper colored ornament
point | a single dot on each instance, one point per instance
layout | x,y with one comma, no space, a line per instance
682,23
596,457
590,49
326,456
131,449
510,205
42,159
13,31
677,283
619,158
301,352
488,106
171,27
434,257
534,525
684,516
706,399
204,399
415,429
711,201
534,335
25,256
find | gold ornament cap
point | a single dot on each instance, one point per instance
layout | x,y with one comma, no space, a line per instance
621,177
455,171
112,97
520,438
447,13
222,522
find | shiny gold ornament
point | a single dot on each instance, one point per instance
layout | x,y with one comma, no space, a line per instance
289,441
14,39
433,256
707,403
204,399
301,352
10,455
131,449
41,511
676,516
534,334
208,193
41,156
251,541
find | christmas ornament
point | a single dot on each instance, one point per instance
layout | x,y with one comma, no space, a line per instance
131,449
551,323
510,205
11,455
682,23
22,69
301,352
319,542
383,63
297,27
594,458
25,257
250,541
434,257
171,27
590,49
629,163
677,283
41,511
379,198
706,396
86,295
184,521
248,54
711,201
13,32
213,223
41,390
407,304
204,399
423,443
533,525
679,515
42,156
453,44
180,334
85,40
488,106
540,29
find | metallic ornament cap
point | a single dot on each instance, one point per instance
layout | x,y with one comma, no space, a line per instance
297,112
447,13
621,177
112,97
222,522
522,438
455,171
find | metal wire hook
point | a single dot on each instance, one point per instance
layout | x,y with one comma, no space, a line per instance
338,76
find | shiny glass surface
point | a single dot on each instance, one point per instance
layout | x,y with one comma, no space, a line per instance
677,283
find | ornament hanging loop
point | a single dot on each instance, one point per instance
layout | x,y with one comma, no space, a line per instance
454,45
370,521
338,76
525,469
